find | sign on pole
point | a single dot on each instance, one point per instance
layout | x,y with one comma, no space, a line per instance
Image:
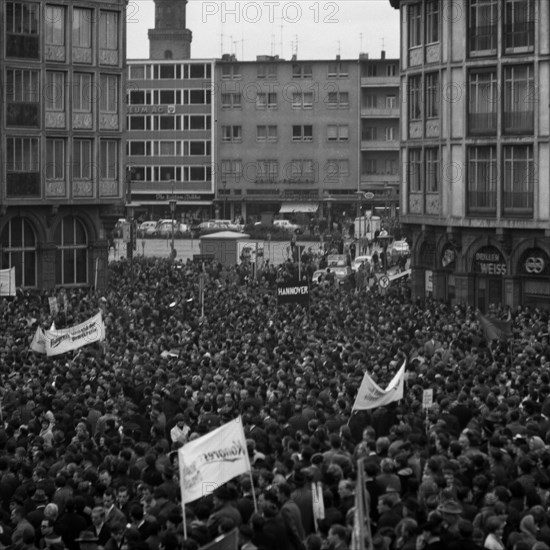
427,398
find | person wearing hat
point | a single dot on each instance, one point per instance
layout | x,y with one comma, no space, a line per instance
39,499
451,512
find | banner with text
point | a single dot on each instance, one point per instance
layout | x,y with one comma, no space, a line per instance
68,339
7,282
293,293
212,460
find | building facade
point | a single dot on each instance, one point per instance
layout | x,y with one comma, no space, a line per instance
379,119
286,137
169,138
62,177
475,131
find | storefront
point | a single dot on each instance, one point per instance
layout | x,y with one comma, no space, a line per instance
490,267
533,270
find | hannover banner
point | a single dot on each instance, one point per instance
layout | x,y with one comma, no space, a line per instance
293,293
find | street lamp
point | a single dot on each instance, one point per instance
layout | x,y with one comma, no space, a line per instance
224,185
173,203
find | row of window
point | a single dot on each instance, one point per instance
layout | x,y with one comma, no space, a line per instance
372,101
373,133
335,69
375,69
516,98
272,171
169,71
19,246
170,97
60,22
299,100
24,96
517,174
169,122
169,148
513,20
23,158
380,167
183,174
299,132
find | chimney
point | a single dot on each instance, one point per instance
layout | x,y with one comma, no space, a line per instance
338,57
383,54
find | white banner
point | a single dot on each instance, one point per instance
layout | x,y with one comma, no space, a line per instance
212,460
371,395
68,339
7,282
38,343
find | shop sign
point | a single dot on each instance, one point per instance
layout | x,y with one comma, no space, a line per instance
148,110
429,281
489,260
534,262
448,257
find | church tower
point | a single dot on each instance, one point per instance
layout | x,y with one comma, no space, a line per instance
170,39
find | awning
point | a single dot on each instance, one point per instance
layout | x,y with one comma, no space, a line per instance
293,207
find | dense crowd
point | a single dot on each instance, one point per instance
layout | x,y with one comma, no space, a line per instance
88,446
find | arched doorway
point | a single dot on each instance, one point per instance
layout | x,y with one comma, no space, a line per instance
71,266
18,244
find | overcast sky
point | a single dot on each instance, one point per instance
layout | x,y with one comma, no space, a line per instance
316,29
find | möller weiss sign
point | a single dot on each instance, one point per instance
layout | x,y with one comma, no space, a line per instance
489,260
293,293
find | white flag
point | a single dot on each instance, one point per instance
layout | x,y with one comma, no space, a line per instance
212,460
38,343
7,282
68,339
371,395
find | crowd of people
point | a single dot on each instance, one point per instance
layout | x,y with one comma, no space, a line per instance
89,440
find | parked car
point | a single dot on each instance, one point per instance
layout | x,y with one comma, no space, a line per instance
147,230
213,226
164,229
288,226
341,274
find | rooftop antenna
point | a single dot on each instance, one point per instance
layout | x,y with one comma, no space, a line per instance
281,39
383,43
360,42
339,49
231,44
272,44
221,43
297,40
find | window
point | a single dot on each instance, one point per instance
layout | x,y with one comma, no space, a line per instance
370,166
167,122
519,176
337,132
266,133
432,170
268,170
199,148
18,245
232,134
432,95
391,102
267,70
197,122
415,98
22,97
372,70
483,26
108,30
231,101
230,72
391,70
302,100
415,170
54,25
22,28
390,134
338,100
82,93
336,169
337,70
369,133
415,25
139,123
482,179
196,71
519,24
300,171
482,102
302,70
54,94
139,97
22,166
519,98
266,100
82,159
82,27
71,266
137,72
232,169
109,94
108,159
55,159
199,97
139,148
302,133
432,21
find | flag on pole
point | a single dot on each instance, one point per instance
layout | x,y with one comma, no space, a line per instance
7,282
361,533
496,329
371,395
318,503
212,460
38,343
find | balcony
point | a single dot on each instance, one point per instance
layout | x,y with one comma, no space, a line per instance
380,113
380,81
380,179
379,145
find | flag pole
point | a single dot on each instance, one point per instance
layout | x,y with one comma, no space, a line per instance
253,489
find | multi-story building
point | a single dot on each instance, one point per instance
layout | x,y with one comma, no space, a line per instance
286,137
169,119
61,157
475,131
379,118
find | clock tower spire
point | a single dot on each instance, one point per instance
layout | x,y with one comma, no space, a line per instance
170,39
